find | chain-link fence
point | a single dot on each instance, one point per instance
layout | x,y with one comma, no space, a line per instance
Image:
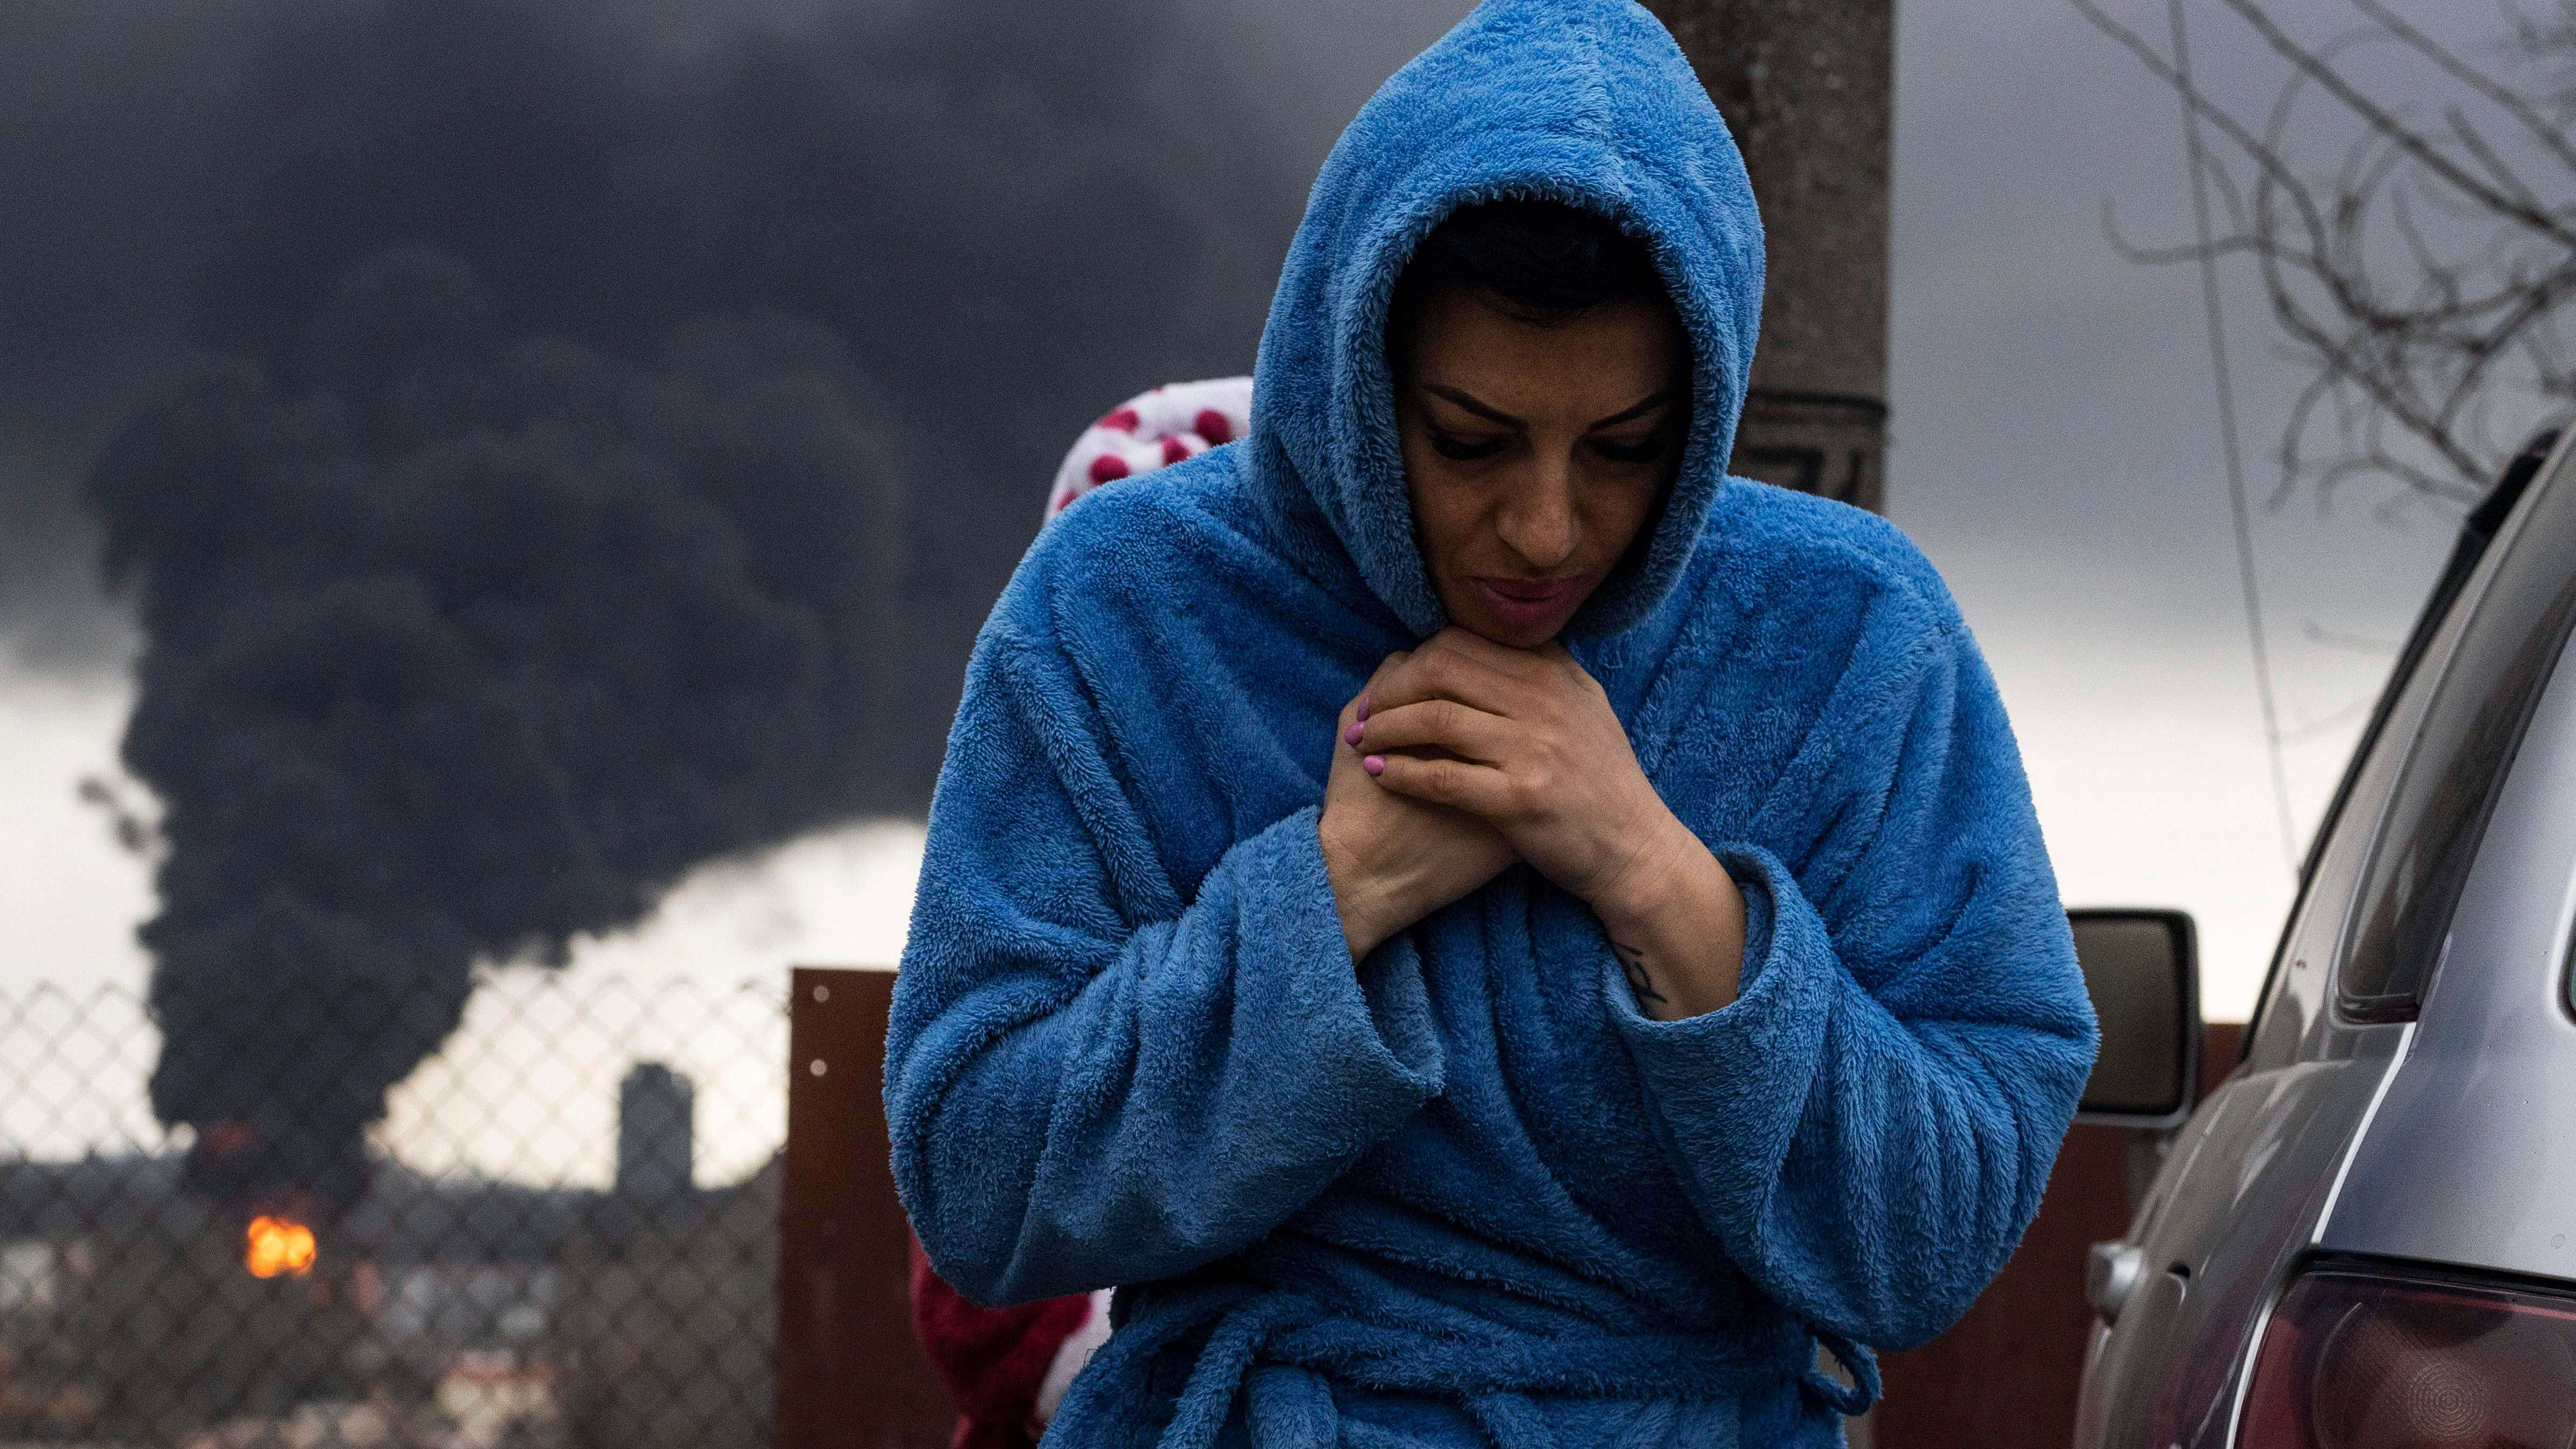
563,1233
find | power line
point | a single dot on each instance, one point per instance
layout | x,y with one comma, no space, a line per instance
2227,437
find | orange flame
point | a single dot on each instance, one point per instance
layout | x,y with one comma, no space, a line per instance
278,1246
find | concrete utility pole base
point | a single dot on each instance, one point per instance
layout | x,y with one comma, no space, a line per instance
1807,86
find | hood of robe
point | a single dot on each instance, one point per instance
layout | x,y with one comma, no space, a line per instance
1585,102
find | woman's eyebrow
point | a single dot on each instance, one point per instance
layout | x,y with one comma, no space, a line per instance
1631,414
1471,404
1490,413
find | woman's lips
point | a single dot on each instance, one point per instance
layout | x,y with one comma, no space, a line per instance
1527,603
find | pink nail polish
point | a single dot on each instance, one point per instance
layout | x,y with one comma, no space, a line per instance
1363,710
1352,735
1374,764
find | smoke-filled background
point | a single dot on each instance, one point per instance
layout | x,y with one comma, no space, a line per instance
545,446
518,459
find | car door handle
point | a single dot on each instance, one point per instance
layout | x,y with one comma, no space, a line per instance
2111,1275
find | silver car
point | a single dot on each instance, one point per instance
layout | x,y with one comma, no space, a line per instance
2366,1237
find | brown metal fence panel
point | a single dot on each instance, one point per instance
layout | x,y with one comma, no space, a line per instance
850,1372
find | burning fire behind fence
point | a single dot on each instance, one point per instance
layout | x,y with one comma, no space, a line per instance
278,1247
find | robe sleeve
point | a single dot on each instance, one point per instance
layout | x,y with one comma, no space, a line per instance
1090,1082
1868,1128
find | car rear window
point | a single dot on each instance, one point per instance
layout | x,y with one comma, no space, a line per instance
2472,725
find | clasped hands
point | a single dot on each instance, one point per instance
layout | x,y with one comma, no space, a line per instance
1464,755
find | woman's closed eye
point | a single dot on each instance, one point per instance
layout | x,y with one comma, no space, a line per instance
1463,447
1644,448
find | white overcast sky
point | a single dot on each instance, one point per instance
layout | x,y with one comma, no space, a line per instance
2054,449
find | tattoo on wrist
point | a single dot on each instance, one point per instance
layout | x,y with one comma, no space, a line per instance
1632,962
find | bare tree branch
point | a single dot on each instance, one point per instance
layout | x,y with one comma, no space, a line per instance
2425,284
2435,161
2551,137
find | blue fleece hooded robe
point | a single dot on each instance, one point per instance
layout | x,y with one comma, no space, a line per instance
1463,1191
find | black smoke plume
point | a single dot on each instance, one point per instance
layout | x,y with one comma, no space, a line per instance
610,439
465,644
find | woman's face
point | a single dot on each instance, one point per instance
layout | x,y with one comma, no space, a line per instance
1534,452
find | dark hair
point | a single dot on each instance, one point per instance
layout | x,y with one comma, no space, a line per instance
1542,260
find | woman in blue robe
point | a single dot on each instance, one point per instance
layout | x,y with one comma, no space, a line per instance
1484,928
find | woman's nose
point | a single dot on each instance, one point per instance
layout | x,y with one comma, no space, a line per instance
1537,520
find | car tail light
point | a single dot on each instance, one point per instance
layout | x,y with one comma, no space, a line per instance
2355,1358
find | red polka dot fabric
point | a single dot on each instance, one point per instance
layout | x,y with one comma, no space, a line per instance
1177,421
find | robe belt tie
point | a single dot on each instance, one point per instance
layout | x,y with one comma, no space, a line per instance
1491,1378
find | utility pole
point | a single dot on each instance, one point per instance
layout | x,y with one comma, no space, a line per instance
1808,87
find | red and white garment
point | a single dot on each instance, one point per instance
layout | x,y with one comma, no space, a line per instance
1151,430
